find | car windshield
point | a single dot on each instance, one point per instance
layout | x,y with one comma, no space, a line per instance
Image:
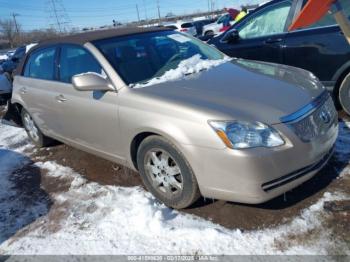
140,58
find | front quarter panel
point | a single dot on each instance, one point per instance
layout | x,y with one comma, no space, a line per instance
182,126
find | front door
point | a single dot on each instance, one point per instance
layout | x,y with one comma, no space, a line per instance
261,35
89,118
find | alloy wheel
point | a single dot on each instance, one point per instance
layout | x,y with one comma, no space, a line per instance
164,172
30,126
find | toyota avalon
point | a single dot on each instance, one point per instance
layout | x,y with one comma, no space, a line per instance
190,120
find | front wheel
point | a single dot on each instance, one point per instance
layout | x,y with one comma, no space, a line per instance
166,173
209,33
344,94
34,133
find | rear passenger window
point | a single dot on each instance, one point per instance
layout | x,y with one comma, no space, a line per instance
41,64
76,60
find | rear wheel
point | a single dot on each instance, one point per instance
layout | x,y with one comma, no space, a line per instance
209,33
166,173
34,133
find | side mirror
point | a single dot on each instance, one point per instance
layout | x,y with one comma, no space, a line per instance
231,36
91,82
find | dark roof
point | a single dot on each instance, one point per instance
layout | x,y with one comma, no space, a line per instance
83,38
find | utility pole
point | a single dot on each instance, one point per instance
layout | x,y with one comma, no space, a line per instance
56,15
138,13
158,11
15,21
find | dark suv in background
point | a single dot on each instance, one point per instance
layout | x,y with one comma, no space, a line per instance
321,48
10,65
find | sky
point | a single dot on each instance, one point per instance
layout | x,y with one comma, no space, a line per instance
38,14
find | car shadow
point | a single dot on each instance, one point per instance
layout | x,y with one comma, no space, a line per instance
336,165
22,201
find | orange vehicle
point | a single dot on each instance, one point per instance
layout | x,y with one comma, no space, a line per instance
314,10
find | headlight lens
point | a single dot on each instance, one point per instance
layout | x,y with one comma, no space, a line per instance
241,135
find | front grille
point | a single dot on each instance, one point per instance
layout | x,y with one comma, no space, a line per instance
316,123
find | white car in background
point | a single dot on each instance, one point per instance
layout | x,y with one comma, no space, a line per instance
214,28
183,26
3,57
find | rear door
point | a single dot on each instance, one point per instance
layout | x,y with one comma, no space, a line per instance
320,48
261,35
36,88
89,118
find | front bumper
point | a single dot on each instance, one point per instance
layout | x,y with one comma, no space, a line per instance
257,175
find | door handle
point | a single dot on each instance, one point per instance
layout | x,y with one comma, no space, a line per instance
273,40
23,90
61,98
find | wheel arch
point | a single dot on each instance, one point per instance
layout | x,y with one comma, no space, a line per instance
13,113
141,135
338,78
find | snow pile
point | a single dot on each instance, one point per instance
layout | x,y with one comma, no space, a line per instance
116,220
96,219
189,66
19,205
14,138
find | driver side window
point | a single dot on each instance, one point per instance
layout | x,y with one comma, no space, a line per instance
269,21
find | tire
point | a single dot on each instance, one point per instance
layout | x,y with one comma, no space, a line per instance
33,132
344,94
166,173
209,33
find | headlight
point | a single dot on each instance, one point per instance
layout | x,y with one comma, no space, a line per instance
240,135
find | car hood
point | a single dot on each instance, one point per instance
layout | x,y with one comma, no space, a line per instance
241,90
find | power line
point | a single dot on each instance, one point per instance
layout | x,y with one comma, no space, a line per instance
158,7
59,14
138,13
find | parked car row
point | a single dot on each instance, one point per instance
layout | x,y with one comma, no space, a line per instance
217,26
192,121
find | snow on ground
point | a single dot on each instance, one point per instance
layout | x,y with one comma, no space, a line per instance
13,199
193,65
98,219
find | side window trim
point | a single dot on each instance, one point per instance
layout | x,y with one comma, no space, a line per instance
241,25
314,28
41,49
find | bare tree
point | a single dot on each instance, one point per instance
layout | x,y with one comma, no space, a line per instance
8,29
